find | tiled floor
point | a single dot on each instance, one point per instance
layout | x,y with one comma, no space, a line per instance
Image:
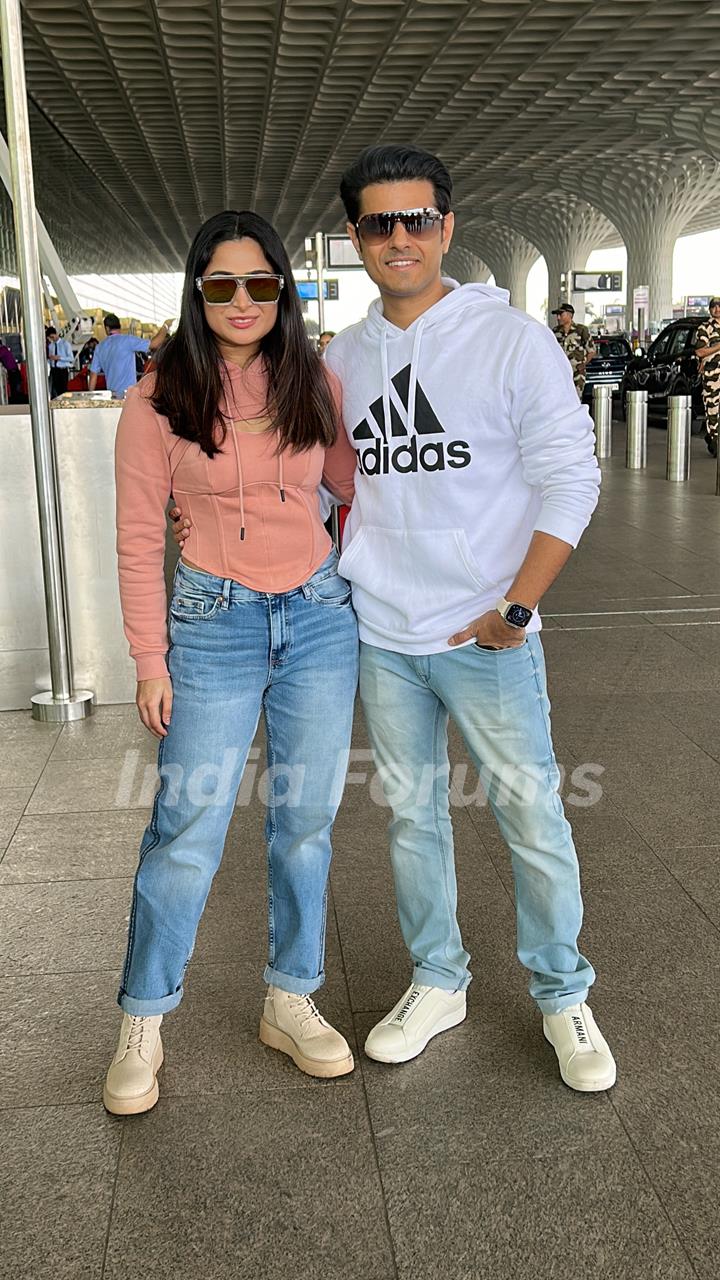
474,1162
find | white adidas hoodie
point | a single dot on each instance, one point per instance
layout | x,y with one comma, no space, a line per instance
469,436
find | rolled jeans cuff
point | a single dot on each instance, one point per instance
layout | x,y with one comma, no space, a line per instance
288,982
425,977
556,1004
149,1008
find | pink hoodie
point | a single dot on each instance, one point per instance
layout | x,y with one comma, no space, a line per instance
255,513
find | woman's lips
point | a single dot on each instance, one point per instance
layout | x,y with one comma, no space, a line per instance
243,324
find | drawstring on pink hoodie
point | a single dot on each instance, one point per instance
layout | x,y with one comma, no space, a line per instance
280,481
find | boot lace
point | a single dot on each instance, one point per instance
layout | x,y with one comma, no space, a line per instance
138,1028
308,1008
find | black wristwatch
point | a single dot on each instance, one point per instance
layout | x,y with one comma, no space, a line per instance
516,615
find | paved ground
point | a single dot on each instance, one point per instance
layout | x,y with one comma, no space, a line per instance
474,1161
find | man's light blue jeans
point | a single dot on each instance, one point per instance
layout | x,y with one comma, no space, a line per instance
498,699
235,654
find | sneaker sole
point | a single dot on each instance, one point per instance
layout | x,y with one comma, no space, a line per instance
451,1020
274,1038
606,1083
134,1106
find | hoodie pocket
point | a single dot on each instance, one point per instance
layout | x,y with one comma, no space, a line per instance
409,582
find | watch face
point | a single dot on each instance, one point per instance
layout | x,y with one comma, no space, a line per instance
518,616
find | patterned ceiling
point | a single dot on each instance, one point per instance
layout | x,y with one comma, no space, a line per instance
600,112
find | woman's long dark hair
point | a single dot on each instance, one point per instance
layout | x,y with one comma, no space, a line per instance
188,386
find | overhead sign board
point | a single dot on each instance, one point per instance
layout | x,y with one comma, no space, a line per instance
597,281
698,305
308,290
340,252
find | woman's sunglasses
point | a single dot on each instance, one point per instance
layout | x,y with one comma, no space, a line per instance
220,291
374,228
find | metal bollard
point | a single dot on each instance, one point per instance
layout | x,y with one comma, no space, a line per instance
602,417
636,443
678,438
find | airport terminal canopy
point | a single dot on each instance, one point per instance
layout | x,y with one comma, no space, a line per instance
567,124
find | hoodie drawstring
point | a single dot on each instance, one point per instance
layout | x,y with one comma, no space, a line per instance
412,390
385,383
240,484
281,482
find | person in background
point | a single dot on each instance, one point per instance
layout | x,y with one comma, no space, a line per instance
87,352
61,361
9,363
324,340
115,356
708,353
576,342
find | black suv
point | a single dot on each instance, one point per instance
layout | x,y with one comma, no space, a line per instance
613,356
669,368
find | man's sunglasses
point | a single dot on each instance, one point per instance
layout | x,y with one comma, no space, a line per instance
220,291
374,228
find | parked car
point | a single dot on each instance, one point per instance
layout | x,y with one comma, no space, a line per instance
613,356
668,368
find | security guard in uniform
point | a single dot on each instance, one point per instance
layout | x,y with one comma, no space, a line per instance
708,352
575,341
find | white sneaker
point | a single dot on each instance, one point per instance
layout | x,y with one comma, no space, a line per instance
292,1024
586,1062
131,1083
423,1012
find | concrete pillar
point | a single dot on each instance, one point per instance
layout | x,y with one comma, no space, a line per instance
650,248
567,230
508,254
465,266
651,199
564,228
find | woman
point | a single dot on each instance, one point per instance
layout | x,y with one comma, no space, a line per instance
240,423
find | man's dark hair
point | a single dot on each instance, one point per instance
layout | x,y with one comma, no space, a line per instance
51,333
111,322
394,164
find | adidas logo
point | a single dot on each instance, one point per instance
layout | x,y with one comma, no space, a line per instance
385,453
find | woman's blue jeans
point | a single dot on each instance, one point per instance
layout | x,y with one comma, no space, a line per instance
498,699
235,654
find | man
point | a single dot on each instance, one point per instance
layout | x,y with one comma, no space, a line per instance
115,356
324,341
476,477
575,341
708,352
61,361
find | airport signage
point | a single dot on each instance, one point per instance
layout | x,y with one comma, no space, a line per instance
697,305
340,253
597,281
308,290
614,309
